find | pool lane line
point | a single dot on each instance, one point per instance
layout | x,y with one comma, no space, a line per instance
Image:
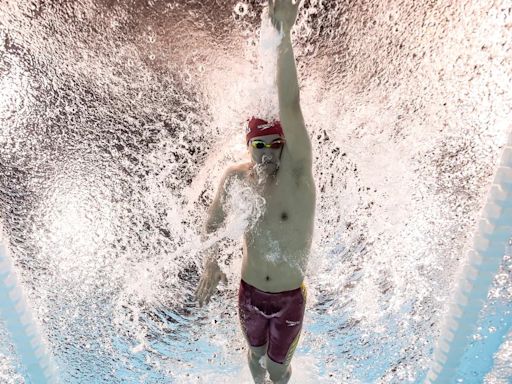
22,326
493,231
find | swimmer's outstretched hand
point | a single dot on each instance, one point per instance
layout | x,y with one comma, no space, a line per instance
208,281
283,13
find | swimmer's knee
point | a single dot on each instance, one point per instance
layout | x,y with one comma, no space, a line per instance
257,352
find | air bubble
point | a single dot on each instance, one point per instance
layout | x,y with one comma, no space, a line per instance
241,9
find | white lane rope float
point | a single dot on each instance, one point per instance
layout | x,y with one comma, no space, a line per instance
22,326
493,231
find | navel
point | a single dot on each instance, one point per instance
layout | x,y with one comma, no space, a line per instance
267,278
284,216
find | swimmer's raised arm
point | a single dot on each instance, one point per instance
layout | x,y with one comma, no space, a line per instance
212,273
283,14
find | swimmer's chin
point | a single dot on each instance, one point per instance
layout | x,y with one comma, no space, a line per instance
266,168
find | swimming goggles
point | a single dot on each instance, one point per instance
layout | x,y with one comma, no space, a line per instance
276,144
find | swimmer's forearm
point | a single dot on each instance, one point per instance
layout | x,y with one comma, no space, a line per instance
287,81
211,252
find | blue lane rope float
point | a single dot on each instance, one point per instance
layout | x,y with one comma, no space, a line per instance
22,327
483,260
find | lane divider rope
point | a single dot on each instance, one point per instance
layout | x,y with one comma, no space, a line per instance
493,231
22,326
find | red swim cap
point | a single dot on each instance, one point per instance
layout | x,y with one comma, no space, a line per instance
258,127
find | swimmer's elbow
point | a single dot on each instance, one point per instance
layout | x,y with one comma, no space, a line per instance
210,227
213,223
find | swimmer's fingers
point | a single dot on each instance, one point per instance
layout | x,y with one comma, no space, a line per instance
199,296
210,290
201,290
204,297
200,287
209,293
207,298
210,286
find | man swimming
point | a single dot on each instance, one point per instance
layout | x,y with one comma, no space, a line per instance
272,296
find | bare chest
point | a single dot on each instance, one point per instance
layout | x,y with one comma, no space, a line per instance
289,206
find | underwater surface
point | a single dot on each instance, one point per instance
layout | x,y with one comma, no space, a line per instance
117,119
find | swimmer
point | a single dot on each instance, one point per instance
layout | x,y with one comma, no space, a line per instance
272,295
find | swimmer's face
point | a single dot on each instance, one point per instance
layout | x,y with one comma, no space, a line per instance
267,159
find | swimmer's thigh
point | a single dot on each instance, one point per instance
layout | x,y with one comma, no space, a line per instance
284,331
254,325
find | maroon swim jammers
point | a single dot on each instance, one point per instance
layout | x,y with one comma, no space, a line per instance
270,317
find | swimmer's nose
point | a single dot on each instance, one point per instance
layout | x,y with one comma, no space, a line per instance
266,159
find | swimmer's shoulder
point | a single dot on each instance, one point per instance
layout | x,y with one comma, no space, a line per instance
238,171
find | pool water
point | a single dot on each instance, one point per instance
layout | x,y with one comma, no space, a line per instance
117,120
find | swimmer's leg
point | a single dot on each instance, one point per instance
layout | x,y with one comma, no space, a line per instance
254,354
255,329
282,348
284,334
279,373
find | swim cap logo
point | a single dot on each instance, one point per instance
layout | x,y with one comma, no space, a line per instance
262,127
258,127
